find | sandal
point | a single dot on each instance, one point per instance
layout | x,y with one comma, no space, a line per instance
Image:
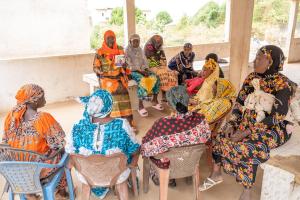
158,107
209,183
143,112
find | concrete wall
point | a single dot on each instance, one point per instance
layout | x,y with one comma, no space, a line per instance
222,49
33,28
60,76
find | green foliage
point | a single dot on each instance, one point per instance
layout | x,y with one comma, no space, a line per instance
161,20
211,14
117,16
139,16
183,22
95,37
271,11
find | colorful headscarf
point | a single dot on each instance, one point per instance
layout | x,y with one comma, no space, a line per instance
157,41
276,57
105,49
177,94
210,64
30,93
99,104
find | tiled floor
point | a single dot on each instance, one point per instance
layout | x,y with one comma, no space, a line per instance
70,112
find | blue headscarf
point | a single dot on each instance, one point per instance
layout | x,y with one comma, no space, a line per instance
176,95
99,104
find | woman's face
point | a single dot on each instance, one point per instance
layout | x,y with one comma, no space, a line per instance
110,40
187,51
261,63
135,43
206,72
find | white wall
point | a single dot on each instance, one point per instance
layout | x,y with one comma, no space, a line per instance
30,28
61,77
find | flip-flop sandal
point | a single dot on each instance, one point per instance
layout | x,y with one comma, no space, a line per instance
143,112
158,107
209,183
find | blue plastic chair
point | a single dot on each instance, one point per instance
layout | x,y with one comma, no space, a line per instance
23,177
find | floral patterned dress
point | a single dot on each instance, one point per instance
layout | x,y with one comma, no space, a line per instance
176,130
242,158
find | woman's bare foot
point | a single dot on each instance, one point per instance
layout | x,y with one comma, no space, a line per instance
246,195
216,174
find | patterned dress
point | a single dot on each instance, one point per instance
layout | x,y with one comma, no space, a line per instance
157,64
242,158
41,134
176,130
113,78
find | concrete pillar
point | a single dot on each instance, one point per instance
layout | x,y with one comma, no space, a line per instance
227,20
292,25
240,34
129,19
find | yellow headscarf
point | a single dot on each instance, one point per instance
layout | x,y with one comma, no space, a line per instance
205,91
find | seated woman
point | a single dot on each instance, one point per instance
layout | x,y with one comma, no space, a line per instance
98,133
194,84
182,128
221,103
26,128
113,78
148,82
158,64
244,143
183,63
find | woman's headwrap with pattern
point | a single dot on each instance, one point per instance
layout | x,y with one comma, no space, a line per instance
177,94
99,104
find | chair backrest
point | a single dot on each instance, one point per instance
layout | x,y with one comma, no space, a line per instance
100,170
8,153
183,160
23,177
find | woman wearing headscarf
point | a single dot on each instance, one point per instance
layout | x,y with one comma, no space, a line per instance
221,103
27,128
98,133
183,63
148,82
113,78
182,128
245,143
193,85
158,64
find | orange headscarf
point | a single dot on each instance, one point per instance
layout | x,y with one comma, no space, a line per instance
29,93
111,52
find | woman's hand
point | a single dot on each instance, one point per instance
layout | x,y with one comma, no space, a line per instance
193,102
239,135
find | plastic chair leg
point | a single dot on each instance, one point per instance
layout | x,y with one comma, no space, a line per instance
11,195
22,197
146,174
70,183
164,183
85,192
134,182
122,191
196,181
49,188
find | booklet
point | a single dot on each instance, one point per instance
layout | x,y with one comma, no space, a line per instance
119,60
